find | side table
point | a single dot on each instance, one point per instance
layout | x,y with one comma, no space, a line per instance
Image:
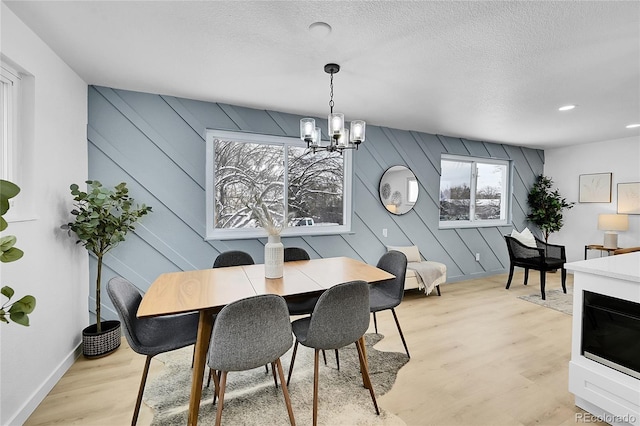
598,247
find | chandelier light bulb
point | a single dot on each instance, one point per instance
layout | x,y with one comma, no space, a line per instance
317,136
307,128
357,131
343,138
336,124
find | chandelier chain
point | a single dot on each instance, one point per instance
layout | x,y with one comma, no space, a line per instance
331,93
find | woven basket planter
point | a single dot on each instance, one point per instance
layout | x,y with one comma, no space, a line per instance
97,345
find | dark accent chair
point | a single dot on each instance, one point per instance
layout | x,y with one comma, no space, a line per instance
233,258
340,318
545,257
149,336
247,334
388,294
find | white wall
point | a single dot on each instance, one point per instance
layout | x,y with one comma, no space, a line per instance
564,165
53,154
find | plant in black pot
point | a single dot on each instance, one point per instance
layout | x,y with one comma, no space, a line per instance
546,206
103,217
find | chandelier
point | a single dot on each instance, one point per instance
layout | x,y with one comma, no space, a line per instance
340,138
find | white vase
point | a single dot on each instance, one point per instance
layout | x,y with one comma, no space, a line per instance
273,257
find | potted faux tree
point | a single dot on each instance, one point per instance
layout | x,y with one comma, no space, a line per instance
546,206
19,310
103,217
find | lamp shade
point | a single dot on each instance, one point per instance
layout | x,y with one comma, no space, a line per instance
613,222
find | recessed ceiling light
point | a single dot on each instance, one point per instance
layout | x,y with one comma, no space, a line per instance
566,107
633,126
320,29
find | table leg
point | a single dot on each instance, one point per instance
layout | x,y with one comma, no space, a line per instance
205,324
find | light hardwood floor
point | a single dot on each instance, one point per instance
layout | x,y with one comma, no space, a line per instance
479,356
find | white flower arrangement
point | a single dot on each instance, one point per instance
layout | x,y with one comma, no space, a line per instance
267,221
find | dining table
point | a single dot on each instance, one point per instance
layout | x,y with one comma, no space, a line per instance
207,291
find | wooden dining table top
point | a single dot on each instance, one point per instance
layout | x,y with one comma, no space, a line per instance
188,291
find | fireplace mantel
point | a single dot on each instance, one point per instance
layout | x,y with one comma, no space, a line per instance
610,395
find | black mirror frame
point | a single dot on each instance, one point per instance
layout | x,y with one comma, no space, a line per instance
392,198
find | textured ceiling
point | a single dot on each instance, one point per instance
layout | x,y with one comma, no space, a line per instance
493,70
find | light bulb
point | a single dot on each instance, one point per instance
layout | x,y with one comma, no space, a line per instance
357,130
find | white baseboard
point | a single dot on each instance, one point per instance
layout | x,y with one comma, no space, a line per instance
43,390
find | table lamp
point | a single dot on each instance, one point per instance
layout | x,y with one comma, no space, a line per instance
611,223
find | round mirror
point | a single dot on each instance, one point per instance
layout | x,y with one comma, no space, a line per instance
398,189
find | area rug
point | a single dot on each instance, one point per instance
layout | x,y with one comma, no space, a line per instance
252,399
555,299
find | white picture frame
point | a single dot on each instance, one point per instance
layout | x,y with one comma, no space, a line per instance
595,188
629,198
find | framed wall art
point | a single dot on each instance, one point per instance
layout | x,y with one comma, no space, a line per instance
595,188
629,198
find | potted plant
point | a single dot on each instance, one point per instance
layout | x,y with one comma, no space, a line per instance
19,310
103,217
546,206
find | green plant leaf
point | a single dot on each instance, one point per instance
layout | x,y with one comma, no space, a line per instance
3,316
19,318
26,305
7,292
3,224
7,242
8,190
11,255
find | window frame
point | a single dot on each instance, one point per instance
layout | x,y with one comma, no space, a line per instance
413,190
9,96
507,192
245,233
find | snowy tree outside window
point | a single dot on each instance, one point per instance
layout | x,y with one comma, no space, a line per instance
310,193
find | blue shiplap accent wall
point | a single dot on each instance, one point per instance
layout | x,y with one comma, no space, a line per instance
156,144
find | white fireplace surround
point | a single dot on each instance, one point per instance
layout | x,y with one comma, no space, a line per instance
608,394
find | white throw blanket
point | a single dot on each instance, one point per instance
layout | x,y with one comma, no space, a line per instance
429,274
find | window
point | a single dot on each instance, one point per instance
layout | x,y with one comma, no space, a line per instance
412,190
473,191
278,175
9,81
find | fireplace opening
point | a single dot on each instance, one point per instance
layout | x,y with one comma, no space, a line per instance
611,332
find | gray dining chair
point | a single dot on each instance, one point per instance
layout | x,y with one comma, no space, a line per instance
340,318
295,253
149,336
249,333
301,305
386,295
233,258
